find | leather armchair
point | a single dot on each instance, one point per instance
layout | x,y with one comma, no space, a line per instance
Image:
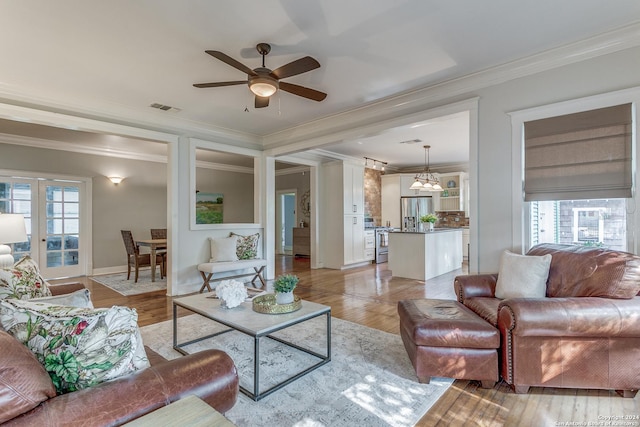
584,334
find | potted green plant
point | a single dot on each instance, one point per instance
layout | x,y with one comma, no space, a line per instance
429,219
283,286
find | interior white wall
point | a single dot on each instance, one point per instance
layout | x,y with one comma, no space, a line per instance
495,219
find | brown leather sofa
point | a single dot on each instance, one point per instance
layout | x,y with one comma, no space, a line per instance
28,398
584,334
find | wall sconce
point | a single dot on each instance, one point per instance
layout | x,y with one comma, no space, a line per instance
116,179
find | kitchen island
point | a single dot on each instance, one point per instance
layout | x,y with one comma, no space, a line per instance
424,255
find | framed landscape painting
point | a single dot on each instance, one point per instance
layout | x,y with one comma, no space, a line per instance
209,208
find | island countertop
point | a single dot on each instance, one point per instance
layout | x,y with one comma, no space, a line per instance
424,255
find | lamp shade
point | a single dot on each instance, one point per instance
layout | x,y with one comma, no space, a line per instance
12,228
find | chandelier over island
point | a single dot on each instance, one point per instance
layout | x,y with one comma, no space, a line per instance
425,180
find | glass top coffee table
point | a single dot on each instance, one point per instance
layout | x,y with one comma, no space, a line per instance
256,325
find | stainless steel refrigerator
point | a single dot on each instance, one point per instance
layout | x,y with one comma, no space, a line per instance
412,208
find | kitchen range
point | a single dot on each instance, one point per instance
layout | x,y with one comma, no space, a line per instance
381,242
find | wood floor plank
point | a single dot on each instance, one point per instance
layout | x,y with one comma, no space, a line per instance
369,296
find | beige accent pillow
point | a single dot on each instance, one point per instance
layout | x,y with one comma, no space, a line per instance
223,248
522,276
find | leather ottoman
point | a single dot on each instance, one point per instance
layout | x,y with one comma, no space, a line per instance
445,339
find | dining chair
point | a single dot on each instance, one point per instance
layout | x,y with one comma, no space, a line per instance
161,233
136,259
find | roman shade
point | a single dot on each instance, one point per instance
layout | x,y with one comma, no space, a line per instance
584,155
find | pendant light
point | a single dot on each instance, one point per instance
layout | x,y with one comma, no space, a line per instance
425,180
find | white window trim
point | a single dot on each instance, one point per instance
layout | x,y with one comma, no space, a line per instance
520,215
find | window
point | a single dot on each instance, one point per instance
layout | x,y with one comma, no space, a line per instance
598,222
577,162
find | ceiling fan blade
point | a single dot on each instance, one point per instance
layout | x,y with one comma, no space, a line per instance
219,84
230,61
302,91
296,67
262,101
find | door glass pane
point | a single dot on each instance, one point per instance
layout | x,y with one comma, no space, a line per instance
22,206
22,191
54,259
54,226
54,193
5,190
54,243
71,210
71,194
71,258
54,209
71,242
71,226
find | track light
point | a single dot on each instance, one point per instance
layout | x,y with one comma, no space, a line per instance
375,164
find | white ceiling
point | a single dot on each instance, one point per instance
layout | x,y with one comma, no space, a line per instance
104,56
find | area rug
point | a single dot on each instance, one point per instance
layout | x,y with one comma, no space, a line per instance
368,382
119,283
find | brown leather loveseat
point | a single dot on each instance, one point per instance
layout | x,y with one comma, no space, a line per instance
584,334
28,398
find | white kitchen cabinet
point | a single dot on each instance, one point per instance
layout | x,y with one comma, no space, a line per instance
354,241
353,184
343,233
369,245
465,243
453,196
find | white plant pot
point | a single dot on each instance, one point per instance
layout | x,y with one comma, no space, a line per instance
284,297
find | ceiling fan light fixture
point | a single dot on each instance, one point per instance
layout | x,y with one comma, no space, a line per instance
263,86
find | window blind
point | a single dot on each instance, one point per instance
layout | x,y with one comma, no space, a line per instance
584,155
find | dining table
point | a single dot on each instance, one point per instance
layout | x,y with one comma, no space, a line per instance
154,245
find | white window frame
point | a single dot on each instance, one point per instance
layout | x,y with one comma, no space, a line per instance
521,239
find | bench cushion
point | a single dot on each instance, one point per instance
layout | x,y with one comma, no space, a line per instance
220,267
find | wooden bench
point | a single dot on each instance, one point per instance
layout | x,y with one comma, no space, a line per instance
208,269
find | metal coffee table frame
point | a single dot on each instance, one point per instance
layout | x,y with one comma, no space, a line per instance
256,394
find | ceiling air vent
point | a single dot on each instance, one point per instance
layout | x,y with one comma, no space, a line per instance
163,107
411,141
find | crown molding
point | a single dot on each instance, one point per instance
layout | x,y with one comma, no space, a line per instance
78,148
223,167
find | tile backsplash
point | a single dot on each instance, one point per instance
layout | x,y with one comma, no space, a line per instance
452,219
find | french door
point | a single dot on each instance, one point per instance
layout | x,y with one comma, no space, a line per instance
54,217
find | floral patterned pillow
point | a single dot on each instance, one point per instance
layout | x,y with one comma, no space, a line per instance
23,281
246,246
78,347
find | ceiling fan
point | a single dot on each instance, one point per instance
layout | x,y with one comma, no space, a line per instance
264,82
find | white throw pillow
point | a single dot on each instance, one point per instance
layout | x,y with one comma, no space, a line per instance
223,248
522,276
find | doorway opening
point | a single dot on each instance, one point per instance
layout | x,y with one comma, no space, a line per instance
286,221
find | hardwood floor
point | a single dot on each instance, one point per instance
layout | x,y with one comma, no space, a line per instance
369,296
